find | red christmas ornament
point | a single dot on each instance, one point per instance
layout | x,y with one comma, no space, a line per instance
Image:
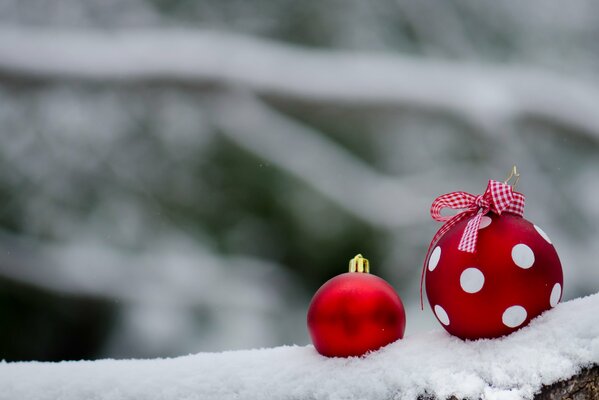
490,270
354,313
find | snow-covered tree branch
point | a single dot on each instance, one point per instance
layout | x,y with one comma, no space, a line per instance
299,150
476,92
556,346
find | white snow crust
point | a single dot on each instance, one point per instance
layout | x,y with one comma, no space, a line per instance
554,346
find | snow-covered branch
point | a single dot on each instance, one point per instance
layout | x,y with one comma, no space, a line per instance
308,155
480,93
555,346
162,291
173,271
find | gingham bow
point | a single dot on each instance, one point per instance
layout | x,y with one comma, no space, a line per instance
498,198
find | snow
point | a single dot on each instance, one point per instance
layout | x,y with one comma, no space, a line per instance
554,346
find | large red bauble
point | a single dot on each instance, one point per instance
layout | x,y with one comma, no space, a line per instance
354,313
514,275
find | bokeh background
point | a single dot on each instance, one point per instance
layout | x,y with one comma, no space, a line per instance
180,176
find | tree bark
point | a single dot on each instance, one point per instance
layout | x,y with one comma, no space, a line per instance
582,386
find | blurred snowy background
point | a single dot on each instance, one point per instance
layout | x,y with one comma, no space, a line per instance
180,176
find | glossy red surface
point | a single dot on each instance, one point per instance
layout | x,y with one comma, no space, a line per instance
482,314
354,313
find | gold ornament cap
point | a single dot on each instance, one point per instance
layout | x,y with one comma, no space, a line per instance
359,264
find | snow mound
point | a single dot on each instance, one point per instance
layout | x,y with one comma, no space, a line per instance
554,346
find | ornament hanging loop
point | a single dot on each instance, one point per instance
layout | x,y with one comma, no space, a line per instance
515,175
359,264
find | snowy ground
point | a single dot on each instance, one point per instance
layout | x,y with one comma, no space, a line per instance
554,346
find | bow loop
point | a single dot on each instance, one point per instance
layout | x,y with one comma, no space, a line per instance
454,200
502,195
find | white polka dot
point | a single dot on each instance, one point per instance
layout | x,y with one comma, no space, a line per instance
514,316
434,258
543,234
442,315
523,256
484,222
472,280
556,293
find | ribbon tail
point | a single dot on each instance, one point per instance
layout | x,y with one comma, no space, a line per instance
421,285
428,252
470,235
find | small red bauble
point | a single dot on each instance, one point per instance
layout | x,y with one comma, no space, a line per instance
354,313
513,276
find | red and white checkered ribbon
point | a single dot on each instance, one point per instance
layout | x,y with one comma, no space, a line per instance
498,198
